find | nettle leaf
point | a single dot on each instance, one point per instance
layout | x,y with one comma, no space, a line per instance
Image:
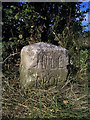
32,7
44,18
10,38
9,17
13,7
27,25
12,44
3,44
34,16
15,38
17,16
10,11
22,41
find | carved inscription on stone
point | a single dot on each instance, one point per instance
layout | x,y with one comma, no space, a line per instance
49,60
46,66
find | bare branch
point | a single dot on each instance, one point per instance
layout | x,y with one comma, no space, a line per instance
58,38
9,57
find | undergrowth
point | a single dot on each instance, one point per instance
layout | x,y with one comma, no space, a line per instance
70,101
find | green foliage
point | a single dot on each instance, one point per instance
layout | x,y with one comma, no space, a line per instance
83,60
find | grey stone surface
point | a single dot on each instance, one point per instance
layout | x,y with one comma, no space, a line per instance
43,65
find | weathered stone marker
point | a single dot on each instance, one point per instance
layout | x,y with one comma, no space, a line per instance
43,65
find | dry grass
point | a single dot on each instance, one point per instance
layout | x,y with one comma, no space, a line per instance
54,102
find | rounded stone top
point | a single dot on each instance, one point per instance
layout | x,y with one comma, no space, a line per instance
43,46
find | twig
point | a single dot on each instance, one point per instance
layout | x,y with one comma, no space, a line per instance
68,81
23,105
73,92
76,99
11,32
81,97
10,56
16,103
58,38
11,88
